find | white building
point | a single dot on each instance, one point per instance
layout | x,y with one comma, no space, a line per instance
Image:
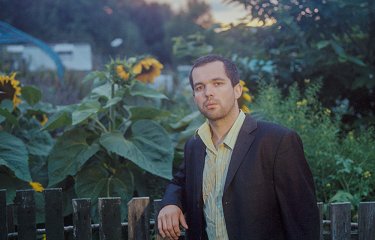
76,57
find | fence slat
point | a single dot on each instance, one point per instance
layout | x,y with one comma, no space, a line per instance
320,207
3,215
110,218
10,218
54,214
26,216
157,205
82,219
366,221
138,219
340,221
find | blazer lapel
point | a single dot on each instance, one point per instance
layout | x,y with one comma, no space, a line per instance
244,140
199,156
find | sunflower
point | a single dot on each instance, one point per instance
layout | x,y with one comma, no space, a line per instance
121,72
147,70
245,98
37,186
42,118
10,89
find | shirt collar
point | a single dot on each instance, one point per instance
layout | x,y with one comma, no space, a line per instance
204,133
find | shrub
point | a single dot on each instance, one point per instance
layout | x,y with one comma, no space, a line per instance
342,162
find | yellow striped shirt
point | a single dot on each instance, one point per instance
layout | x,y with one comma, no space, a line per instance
214,175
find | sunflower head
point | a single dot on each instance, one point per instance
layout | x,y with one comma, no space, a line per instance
147,69
37,186
245,98
10,89
42,118
121,72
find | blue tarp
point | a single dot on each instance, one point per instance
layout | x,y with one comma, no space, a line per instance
12,35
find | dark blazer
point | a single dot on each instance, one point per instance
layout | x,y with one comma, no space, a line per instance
269,190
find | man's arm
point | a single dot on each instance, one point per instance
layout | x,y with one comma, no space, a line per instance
171,215
295,190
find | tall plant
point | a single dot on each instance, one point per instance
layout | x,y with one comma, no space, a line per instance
23,147
112,137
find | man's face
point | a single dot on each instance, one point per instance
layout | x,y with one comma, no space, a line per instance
214,94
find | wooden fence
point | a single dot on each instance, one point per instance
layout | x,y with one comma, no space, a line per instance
139,225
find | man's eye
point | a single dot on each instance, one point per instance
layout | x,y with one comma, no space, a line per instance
198,88
218,83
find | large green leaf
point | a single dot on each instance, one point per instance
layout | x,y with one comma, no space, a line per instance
147,113
5,114
185,120
13,155
59,119
96,181
39,142
68,155
102,91
84,111
149,147
140,89
112,101
31,94
39,169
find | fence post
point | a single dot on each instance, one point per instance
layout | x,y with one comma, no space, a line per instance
3,215
109,218
138,219
320,207
10,218
366,221
26,216
54,214
82,219
157,205
340,221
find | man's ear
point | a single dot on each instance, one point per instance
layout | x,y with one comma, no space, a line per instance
237,91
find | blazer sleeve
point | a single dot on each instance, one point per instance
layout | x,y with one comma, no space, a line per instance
295,190
175,190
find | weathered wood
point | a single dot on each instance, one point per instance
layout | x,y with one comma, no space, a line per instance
82,219
366,221
3,215
320,207
54,219
138,219
10,218
340,221
157,206
26,216
110,218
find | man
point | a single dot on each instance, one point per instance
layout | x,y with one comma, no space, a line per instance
241,178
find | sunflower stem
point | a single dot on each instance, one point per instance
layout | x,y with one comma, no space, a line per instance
112,110
101,125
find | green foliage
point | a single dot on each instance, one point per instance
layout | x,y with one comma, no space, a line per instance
110,140
342,163
23,146
331,40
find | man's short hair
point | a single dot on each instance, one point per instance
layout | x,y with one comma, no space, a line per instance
230,68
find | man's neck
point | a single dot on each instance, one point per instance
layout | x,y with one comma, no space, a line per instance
221,127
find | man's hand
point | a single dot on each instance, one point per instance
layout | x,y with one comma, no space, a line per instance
169,220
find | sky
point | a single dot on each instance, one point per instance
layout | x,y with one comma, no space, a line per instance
223,13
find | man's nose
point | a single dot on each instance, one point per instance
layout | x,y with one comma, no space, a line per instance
209,90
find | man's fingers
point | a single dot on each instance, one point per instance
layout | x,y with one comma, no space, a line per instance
169,220
171,228
183,221
160,227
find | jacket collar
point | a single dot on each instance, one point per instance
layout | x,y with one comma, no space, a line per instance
244,141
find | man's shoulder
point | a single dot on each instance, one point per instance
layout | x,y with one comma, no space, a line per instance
273,129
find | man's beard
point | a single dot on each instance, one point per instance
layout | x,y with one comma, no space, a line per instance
216,114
